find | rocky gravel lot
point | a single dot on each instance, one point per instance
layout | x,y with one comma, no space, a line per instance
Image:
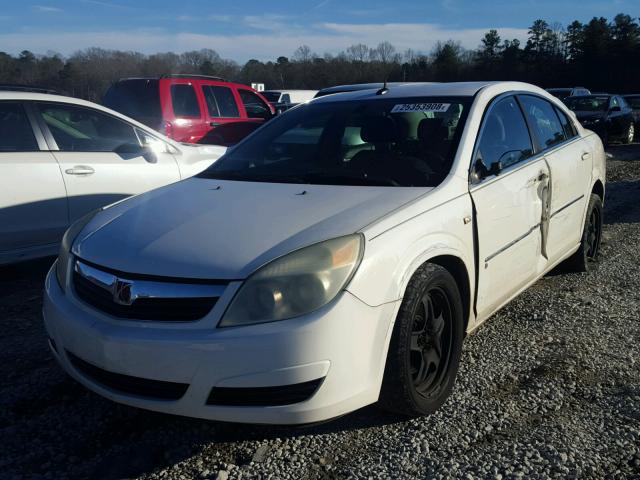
548,388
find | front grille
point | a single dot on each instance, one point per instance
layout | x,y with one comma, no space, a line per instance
147,307
263,396
142,387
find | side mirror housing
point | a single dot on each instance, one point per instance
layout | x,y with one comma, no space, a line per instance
496,168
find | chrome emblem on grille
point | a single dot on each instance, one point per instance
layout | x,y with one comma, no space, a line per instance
122,293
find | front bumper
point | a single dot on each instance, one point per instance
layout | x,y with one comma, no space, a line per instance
344,343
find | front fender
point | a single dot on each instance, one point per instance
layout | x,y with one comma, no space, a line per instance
392,257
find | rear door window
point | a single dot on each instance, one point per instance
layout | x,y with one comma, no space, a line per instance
254,105
184,100
220,101
16,134
543,120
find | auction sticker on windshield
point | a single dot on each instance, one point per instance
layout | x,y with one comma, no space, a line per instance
421,107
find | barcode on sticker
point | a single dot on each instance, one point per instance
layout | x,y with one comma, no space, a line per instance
420,107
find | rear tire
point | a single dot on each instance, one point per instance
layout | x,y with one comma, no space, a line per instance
587,254
630,135
424,352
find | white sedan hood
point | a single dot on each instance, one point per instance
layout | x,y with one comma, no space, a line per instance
215,229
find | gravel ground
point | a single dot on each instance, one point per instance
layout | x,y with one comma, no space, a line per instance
548,388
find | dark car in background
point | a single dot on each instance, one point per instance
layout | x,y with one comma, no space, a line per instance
608,115
187,107
564,93
634,103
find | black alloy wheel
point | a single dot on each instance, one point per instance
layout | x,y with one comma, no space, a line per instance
430,351
425,347
587,254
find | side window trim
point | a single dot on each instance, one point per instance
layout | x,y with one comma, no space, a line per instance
36,128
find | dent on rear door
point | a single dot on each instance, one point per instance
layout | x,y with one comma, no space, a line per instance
544,193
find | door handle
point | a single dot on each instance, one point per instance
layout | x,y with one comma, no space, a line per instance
80,170
214,124
585,156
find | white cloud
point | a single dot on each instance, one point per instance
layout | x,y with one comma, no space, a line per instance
263,45
46,9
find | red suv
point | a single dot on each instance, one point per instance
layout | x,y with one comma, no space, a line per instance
188,107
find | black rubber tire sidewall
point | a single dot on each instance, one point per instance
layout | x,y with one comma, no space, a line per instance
397,393
579,262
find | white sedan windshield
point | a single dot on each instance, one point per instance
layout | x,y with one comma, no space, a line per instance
388,142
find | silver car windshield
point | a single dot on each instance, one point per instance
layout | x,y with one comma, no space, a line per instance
379,142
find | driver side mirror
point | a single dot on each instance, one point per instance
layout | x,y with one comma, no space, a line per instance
481,171
496,168
131,150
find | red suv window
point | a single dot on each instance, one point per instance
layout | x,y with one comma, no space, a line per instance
220,101
184,100
254,105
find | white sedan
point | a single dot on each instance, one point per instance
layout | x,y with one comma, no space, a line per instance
62,157
334,259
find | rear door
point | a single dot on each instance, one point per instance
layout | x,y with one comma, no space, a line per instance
222,111
33,200
569,159
101,156
509,206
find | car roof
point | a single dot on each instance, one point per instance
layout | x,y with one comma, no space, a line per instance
424,89
201,78
356,86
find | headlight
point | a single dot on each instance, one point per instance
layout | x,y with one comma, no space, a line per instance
64,255
297,283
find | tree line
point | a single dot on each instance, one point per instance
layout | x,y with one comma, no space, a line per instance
602,54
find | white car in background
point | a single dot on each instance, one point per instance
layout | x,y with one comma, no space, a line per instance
335,258
62,157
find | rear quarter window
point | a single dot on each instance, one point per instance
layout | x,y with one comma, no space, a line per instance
184,101
139,99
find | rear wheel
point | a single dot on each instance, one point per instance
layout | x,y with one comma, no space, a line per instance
631,133
589,249
425,347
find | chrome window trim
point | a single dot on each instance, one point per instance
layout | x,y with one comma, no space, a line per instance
535,157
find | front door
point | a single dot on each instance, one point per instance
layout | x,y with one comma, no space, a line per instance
510,202
101,157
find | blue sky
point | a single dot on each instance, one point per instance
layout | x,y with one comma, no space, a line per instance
265,29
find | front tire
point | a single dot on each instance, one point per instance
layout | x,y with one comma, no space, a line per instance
589,250
424,352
